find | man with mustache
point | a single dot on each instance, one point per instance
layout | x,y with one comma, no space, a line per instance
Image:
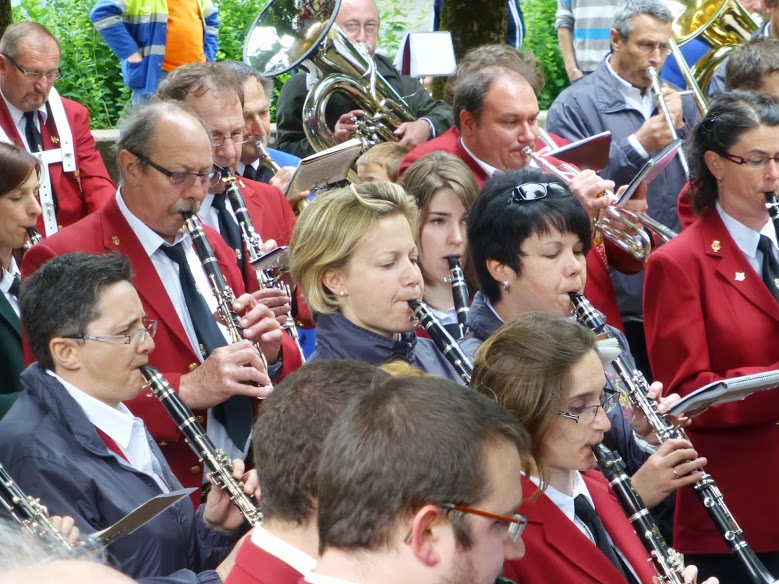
165,158
359,19
56,130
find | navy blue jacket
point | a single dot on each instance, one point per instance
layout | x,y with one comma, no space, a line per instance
53,451
338,338
482,322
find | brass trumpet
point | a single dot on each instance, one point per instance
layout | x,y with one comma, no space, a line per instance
651,72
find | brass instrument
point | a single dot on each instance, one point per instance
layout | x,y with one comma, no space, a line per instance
29,513
33,237
268,272
267,162
684,69
724,24
706,489
651,72
290,33
225,297
667,561
220,469
442,339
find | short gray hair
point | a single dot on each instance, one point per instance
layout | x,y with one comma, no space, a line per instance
626,12
245,72
18,32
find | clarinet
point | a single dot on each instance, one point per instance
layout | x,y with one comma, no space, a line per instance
459,293
253,244
33,237
220,469
772,204
706,489
222,292
29,513
443,340
667,561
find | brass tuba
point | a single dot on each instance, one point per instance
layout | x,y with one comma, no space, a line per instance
724,24
292,33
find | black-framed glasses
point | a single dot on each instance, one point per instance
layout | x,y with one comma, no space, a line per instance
51,77
752,161
587,415
139,335
516,523
535,191
237,138
180,178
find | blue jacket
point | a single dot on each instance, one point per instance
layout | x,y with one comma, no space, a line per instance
52,450
128,26
482,322
338,338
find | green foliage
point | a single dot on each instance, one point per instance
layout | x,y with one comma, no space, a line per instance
394,24
541,40
91,72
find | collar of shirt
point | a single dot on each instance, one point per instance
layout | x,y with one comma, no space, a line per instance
490,170
150,240
314,578
488,302
210,216
116,422
8,276
287,553
17,115
746,238
643,103
241,167
565,502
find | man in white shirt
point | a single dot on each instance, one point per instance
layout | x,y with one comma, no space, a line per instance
419,482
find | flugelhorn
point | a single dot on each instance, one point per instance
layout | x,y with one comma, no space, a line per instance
267,162
651,72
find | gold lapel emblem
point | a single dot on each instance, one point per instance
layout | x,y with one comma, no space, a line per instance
716,246
55,140
740,276
115,239
776,282
240,182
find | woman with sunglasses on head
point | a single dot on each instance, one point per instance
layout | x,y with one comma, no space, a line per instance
528,239
444,189
712,313
354,256
547,371
19,210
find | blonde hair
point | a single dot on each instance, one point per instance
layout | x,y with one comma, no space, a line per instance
387,155
330,228
399,368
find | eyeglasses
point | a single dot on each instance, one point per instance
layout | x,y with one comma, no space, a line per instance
753,162
34,75
648,48
534,191
180,178
217,141
516,523
587,415
354,27
138,335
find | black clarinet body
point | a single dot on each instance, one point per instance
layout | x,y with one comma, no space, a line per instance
254,252
667,561
772,204
706,490
33,237
29,513
460,295
225,297
443,340
220,469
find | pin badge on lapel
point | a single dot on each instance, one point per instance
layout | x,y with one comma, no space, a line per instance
115,239
740,276
716,246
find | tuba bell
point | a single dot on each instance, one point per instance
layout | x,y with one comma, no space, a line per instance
724,24
292,33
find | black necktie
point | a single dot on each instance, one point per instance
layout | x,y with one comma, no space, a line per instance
31,132
14,289
228,228
249,172
770,267
587,515
236,413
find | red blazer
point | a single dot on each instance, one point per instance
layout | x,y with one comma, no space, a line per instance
253,565
684,207
708,316
80,192
107,230
557,551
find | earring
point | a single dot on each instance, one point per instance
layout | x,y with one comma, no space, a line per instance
505,284
343,293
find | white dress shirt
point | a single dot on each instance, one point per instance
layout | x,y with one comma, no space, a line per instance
644,104
287,553
314,578
747,238
17,116
7,281
490,170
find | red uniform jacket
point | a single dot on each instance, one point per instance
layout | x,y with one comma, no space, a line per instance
253,565
709,316
557,551
684,207
107,230
80,192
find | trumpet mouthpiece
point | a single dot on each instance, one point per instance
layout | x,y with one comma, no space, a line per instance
651,72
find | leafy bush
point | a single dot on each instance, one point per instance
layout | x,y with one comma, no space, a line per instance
541,40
